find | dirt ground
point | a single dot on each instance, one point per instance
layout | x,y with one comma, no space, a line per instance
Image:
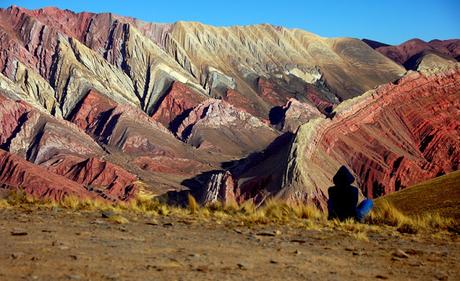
61,244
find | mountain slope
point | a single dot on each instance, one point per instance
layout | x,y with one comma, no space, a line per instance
149,57
406,53
108,101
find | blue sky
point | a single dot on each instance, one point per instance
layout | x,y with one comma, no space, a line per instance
389,21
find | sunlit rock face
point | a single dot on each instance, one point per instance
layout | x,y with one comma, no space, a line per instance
105,105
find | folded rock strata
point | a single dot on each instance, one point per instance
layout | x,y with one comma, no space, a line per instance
390,137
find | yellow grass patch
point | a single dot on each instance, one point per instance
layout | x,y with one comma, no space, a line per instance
118,219
272,212
192,204
386,214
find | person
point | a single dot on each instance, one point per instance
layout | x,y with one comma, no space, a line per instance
343,198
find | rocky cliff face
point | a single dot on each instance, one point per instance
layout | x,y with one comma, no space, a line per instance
101,102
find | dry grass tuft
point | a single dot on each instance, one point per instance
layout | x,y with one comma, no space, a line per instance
387,214
118,219
71,202
303,211
361,236
192,204
435,221
408,228
4,204
276,210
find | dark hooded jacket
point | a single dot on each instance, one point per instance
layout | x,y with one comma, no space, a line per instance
343,197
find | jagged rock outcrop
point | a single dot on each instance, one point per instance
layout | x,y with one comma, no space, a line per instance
171,165
60,147
219,188
37,136
293,114
89,179
143,141
390,137
175,105
68,49
429,62
265,50
218,125
123,127
136,62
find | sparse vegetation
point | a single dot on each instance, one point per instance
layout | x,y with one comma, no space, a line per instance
387,214
272,212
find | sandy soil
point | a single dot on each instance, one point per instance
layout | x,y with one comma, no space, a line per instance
66,245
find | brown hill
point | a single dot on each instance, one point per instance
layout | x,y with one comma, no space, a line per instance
439,195
409,52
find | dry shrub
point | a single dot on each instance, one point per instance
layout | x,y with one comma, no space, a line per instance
257,217
144,204
230,207
273,211
17,197
218,214
163,210
71,202
408,228
246,208
435,221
